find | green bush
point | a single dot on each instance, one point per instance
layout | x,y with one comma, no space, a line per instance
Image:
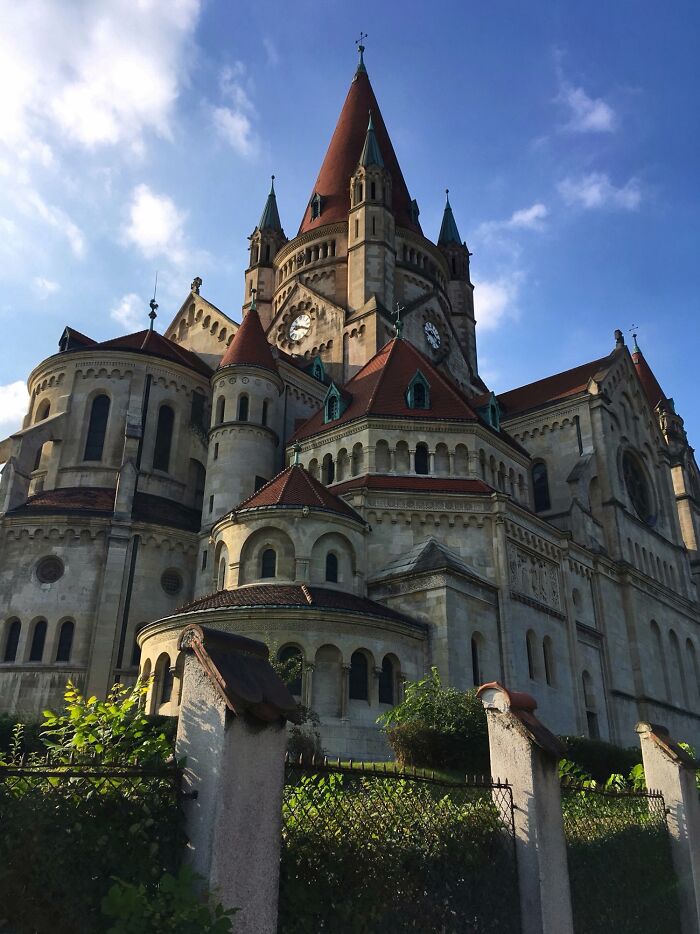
438,728
600,759
172,904
31,734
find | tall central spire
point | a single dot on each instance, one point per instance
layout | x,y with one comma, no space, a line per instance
343,155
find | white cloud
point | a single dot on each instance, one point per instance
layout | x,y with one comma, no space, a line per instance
234,123
595,190
156,225
14,400
91,73
586,114
531,218
273,56
44,287
495,300
31,203
130,312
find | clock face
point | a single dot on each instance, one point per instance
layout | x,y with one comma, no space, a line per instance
432,335
299,328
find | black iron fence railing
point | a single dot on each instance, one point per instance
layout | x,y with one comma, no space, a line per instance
368,849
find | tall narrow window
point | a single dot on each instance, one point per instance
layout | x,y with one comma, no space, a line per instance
135,654
36,651
14,628
243,409
373,191
590,705
65,641
197,410
476,666
331,408
529,643
358,683
419,396
291,657
386,682
548,656
421,458
97,428
220,409
164,438
540,487
268,563
263,418
332,567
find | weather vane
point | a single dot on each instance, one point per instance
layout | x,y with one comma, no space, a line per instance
360,43
153,304
398,324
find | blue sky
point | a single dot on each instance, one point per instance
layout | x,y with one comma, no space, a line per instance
140,136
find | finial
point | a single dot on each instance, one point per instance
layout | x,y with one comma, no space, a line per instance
253,306
447,195
297,452
196,285
361,48
619,338
272,187
153,304
398,324
635,346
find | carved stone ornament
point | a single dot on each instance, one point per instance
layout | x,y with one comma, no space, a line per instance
534,576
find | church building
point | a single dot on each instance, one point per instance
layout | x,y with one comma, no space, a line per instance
333,476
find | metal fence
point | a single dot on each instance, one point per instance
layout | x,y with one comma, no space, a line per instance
620,869
370,849
69,829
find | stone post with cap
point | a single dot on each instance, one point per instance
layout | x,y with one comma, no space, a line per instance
231,732
526,754
670,769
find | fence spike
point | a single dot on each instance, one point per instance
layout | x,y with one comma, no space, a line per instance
385,768
432,773
325,760
351,763
301,758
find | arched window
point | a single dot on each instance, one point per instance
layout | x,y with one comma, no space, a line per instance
135,654
268,563
358,682
540,487
243,409
165,677
678,661
421,459
37,459
43,411
332,567
328,469
331,408
263,417
531,664
419,396
220,409
590,705
221,580
36,651
548,655
97,428
660,658
13,630
291,653
164,438
387,679
476,665
694,673
65,641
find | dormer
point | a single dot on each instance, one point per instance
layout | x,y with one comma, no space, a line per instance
334,404
418,392
316,205
491,412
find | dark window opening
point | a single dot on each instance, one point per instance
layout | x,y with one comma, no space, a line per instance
476,668
243,409
197,410
167,686
291,657
205,558
216,451
135,655
332,567
259,482
374,226
540,488
530,659
267,252
65,641
358,686
164,438
332,409
421,459
419,396
268,563
36,652
211,504
12,641
264,412
373,191
97,429
386,682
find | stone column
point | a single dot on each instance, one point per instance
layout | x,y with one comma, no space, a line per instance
668,768
524,752
308,685
344,691
374,693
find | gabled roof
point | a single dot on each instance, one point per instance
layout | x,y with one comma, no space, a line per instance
249,346
448,228
650,384
295,487
379,388
343,156
270,219
155,345
552,388
429,555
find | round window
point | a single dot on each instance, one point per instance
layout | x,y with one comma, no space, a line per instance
49,569
171,581
637,487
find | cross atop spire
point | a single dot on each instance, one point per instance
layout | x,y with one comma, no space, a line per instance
361,48
153,305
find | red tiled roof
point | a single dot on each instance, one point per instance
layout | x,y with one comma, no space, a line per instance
419,484
379,388
156,345
551,388
343,156
650,384
249,345
295,595
296,487
99,502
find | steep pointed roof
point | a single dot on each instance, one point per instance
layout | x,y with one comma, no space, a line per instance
370,154
448,228
249,346
380,387
650,384
295,487
343,156
156,345
270,218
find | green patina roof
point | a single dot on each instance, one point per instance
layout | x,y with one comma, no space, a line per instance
370,151
448,228
270,219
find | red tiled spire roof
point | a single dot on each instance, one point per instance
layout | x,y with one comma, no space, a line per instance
296,487
155,344
249,345
650,384
379,388
343,155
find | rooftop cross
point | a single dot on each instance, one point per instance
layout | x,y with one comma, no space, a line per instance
153,305
297,452
361,47
398,324
253,306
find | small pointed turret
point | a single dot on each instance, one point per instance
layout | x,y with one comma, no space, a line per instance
371,154
448,228
270,218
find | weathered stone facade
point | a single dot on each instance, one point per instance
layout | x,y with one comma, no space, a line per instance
334,478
